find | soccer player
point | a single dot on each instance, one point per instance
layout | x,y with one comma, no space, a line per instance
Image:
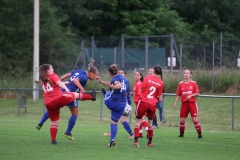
187,91
155,124
159,105
54,98
138,76
150,91
116,100
78,80
123,118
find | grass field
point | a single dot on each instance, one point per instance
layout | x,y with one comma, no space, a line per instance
20,140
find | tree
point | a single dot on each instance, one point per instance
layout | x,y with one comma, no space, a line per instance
209,15
16,37
117,17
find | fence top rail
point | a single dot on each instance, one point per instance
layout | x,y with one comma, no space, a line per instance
165,94
205,95
153,36
33,89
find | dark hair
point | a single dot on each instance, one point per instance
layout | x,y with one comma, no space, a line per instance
142,78
43,75
113,69
91,67
189,70
158,70
122,69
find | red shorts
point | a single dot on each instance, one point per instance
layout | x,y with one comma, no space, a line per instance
144,108
136,103
53,107
187,107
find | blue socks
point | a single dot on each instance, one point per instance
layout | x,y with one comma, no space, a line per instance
127,127
71,122
114,129
44,118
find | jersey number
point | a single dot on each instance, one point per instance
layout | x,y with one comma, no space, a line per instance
152,89
123,86
48,87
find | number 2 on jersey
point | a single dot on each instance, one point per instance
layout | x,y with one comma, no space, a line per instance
152,89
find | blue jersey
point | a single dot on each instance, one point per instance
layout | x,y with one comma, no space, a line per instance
119,95
128,89
81,75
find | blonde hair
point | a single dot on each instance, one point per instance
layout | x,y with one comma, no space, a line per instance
91,67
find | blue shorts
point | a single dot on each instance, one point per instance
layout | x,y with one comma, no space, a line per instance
117,109
73,104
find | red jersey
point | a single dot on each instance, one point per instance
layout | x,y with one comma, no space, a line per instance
186,89
136,89
51,91
151,89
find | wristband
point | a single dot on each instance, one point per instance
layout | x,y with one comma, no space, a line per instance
100,81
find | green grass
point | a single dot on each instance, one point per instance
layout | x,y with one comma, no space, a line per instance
20,140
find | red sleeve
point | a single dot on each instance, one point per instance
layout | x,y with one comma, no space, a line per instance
55,78
179,90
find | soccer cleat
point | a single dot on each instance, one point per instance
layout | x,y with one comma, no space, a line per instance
54,142
38,127
155,127
180,136
199,136
140,136
112,143
69,136
107,134
103,91
94,93
149,144
136,144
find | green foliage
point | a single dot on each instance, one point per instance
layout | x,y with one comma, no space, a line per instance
224,82
16,35
62,23
204,81
211,15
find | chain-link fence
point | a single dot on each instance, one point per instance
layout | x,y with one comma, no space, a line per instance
202,52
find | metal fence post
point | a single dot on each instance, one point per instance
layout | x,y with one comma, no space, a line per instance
101,108
19,103
232,114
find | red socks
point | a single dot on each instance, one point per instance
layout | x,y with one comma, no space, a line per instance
181,127
136,131
198,126
83,96
53,131
150,132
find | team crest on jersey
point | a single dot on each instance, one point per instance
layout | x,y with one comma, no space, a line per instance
190,87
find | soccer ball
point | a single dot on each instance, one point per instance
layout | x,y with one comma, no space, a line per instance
127,110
